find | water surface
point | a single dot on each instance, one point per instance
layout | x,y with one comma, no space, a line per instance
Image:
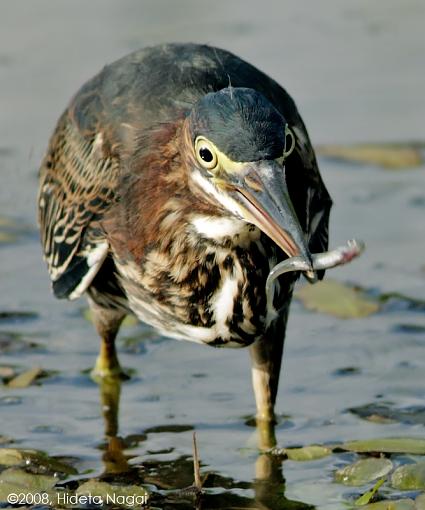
356,72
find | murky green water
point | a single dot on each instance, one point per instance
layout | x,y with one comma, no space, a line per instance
356,71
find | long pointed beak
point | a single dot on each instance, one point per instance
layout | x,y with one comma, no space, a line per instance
264,200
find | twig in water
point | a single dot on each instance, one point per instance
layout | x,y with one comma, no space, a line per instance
196,470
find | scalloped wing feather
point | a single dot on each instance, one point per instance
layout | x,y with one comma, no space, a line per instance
77,185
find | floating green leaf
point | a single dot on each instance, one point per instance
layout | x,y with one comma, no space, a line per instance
335,298
17,481
420,502
363,471
16,457
409,477
415,446
386,413
384,155
26,378
11,457
307,453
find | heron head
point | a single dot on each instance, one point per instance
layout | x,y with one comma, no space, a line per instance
238,144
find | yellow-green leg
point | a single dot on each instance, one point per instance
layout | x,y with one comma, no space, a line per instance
107,363
107,322
266,358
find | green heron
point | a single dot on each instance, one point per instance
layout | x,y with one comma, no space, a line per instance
168,192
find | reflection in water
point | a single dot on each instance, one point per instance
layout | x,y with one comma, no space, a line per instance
173,480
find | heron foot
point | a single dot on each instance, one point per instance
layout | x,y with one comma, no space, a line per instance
107,365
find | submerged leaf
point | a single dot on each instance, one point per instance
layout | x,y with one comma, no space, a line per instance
25,379
363,471
10,457
385,413
420,502
37,459
409,477
17,481
335,298
383,155
411,445
307,453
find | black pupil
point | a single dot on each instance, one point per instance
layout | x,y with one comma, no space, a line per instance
206,155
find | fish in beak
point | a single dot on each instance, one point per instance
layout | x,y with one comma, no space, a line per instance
263,199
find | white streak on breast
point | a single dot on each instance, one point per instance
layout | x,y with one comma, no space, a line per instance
222,305
217,228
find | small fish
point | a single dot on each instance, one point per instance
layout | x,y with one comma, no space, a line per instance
319,261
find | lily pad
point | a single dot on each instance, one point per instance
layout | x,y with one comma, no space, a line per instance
391,156
363,471
124,496
18,481
35,459
26,378
10,457
307,453
385,413
337,299
409,477
414,446
420,502
397,504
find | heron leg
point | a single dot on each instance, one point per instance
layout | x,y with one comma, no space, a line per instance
266,358
107,322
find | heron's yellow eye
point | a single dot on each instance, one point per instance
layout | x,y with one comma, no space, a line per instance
205,153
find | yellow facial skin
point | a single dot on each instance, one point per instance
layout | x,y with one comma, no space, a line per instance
221,163
257,191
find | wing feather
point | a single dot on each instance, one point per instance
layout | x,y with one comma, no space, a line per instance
309,195
77,185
